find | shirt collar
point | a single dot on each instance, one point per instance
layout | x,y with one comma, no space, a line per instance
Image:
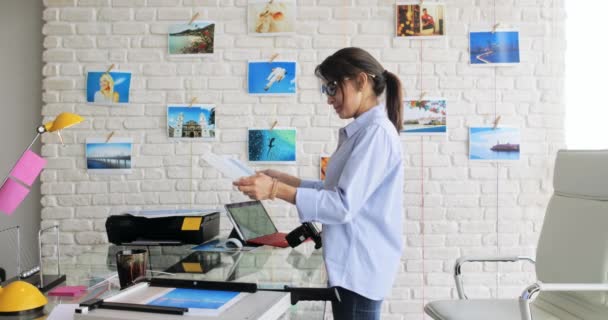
364,119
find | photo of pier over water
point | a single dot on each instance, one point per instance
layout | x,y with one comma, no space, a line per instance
494,48
111,157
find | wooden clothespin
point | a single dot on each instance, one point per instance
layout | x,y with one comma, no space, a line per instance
60,137
110,68
274,124
272,57
422,94
193,101
109,136
495,27
193,18
496,121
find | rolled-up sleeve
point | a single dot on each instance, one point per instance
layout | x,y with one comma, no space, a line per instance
365,169
311,184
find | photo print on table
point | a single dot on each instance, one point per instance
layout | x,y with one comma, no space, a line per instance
276,145
108,88
272,78
491,144
426,117
113,157
420,20
499,48
271,18
191,122
191,39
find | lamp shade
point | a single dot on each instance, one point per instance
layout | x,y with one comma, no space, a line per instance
62,121
20,297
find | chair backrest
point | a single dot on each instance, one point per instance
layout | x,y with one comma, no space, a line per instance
573,244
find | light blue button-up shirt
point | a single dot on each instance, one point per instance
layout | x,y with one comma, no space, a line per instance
360,206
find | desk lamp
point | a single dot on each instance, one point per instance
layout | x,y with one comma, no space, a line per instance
21,297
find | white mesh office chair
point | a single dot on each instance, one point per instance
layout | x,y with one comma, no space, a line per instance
571,258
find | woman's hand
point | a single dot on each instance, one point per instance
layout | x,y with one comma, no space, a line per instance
282,177
256,187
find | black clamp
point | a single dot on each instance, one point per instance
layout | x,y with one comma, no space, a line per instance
303,232
313,294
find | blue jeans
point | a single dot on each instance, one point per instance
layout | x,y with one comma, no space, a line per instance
355,307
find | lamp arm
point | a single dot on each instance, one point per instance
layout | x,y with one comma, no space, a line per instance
24,151
18,229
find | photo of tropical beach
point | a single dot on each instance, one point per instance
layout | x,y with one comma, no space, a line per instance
189,39
494,48
424,117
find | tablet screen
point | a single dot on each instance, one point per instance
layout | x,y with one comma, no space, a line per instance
251,219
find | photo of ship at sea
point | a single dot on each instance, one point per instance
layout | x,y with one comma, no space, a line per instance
113,157
488,143
494,48
424,117
192,39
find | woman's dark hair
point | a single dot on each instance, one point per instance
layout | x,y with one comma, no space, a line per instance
349,62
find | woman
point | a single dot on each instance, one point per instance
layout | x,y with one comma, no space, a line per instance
360,202
106,90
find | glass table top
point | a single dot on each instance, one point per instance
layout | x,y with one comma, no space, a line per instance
268,267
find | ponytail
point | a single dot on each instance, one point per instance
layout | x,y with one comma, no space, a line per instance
349,62
394,100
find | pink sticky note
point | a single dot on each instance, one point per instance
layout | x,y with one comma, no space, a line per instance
28,167
11,195
68,291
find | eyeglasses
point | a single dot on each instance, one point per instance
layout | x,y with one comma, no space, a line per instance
330,89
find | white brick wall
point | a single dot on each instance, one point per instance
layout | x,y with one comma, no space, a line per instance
459,196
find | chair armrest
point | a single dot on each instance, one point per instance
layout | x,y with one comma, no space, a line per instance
548,287
526,296
462,260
